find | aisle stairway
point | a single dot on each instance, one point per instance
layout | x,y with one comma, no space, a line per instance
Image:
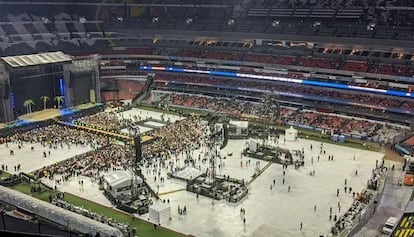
146,91
100,131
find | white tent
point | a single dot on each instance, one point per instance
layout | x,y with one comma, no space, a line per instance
291,134
239,128
253,145
159,213
119,182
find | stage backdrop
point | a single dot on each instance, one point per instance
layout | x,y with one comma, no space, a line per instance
81,83
33,88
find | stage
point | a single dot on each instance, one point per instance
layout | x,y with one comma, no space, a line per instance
47,114
40,115
53,113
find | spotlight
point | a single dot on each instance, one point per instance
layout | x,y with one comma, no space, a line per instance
317,24
276,23
371,26
45,20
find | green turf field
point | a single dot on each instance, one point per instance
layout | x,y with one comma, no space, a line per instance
4,175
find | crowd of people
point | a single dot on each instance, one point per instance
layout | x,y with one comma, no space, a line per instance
170,139
174,138
113,120
90,164
229,106
327,122
104,120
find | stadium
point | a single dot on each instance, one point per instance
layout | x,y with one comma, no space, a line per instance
209,118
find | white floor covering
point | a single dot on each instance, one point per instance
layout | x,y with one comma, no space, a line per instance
33,160
268,212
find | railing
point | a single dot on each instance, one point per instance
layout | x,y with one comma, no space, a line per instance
366,214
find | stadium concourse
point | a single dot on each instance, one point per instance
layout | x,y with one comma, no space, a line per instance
297,198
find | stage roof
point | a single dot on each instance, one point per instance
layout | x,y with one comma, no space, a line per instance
36,59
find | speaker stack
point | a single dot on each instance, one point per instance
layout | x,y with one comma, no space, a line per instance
6,91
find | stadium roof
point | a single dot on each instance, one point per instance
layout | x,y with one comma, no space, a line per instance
36,59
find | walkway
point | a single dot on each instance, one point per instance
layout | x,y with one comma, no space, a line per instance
393,203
